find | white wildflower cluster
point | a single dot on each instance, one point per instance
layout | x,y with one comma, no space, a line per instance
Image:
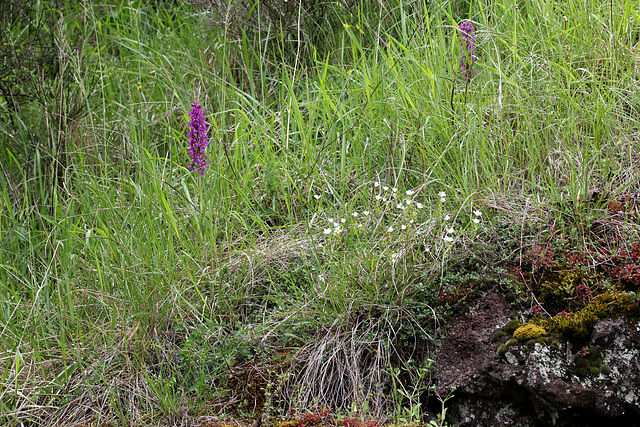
390,211
449,230
336,226
394,214
397,210
477,215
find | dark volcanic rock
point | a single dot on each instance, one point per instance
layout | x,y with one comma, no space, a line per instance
538,386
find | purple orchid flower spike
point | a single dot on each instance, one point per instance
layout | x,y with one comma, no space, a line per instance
198,139
467,48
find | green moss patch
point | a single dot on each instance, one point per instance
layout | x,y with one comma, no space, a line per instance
511,326
589,361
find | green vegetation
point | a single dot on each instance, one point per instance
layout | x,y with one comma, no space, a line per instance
589,361
366,179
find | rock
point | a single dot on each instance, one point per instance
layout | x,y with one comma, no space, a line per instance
538,386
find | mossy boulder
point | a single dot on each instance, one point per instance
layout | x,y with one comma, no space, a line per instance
594,381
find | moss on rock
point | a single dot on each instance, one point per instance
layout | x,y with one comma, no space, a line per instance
496,335
588,361
511,326
578,325
529,331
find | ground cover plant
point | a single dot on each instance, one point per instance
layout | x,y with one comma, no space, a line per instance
268,208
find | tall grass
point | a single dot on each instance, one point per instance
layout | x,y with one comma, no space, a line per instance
120,267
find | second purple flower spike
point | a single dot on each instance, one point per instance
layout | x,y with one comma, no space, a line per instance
467,47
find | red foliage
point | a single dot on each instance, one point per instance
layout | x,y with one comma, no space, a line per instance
536,309
583,292
317,418
627,267
614,207
541,256
629,274
323,417
523,274
355,421
577,260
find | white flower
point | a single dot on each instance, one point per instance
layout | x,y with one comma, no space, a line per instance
327,231
410,192
377,184
403,227
359,225
317,196
400,206
342,220
450,230
330,220
389,230
448,239
442,199
419,205
442,194
477,213
475,220
408,201
447,217
411,221
355,214
384,199
385,188
378,197
365,213
394,189
337,230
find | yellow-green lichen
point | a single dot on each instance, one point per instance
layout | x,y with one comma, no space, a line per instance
529,331
578,325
